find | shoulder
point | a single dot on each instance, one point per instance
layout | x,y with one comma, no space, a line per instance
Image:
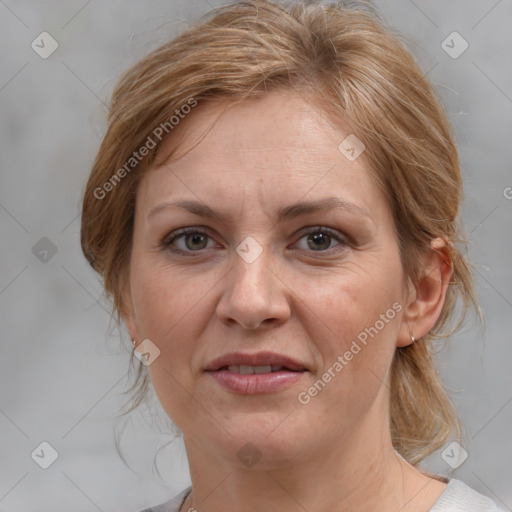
173,505
459,497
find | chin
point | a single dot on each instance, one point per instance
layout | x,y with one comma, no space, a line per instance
262,441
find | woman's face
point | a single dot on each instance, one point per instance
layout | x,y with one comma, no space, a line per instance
289,272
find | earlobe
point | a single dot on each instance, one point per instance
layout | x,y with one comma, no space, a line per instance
427,299
131,327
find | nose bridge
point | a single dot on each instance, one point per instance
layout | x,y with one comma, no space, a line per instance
252,275
252,293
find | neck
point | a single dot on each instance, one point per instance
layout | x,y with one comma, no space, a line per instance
360,472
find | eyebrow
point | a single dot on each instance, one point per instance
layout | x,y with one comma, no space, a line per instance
286,213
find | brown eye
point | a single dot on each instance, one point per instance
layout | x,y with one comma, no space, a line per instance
187,240
321,240
196,241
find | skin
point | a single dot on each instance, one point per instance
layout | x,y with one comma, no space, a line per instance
334,453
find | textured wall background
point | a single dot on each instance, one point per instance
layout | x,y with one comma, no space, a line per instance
63,366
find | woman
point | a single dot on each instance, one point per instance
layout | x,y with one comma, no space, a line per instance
274,211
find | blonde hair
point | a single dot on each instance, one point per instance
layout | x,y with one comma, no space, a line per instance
360,72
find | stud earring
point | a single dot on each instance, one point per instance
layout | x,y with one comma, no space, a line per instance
413,339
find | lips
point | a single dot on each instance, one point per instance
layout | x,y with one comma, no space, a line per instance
249,374
260,359
249,370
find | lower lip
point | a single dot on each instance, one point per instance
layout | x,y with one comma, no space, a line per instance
257,382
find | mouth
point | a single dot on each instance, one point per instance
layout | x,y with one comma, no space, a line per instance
261,362
244,369
249,374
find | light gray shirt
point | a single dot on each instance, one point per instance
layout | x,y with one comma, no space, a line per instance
457,497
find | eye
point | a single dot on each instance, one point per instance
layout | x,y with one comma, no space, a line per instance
187,240
321,239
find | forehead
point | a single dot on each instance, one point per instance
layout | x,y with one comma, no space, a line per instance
280,146
280,122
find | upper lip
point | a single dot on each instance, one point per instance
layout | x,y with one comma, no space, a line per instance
258,359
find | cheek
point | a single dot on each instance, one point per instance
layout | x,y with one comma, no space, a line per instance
164,298
357,318
169,308
353,299
356,353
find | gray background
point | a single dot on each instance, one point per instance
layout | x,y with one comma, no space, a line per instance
64,365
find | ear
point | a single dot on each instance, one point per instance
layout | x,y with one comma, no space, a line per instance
426,299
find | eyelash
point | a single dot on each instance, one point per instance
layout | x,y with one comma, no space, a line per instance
181,233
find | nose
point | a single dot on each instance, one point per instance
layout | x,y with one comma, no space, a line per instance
253,296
